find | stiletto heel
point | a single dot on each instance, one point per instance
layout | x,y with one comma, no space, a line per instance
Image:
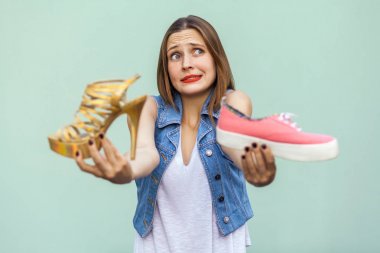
102,103
133,110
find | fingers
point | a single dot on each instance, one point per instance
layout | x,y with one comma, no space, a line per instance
268,155
86,167
246,172
108,166
269,160
100,162
108,149
94,152
260,161
258,165
250,160
118,156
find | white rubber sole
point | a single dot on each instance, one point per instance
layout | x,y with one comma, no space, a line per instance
297,152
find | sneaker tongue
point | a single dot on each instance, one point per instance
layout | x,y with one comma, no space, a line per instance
287,117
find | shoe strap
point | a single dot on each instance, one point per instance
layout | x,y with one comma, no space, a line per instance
101,99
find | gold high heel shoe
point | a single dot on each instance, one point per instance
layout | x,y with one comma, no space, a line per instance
102,103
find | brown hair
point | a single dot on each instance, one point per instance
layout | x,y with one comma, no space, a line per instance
224,79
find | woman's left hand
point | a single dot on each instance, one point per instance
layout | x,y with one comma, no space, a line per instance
258,165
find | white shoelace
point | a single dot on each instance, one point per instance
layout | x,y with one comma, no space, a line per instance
287,118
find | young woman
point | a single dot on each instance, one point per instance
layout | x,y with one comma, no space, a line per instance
191,191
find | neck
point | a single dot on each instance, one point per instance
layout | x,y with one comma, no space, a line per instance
191,109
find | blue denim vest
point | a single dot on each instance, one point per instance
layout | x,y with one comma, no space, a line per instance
227,183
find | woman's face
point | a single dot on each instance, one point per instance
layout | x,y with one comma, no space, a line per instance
190,64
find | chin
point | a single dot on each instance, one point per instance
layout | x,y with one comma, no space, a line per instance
194,91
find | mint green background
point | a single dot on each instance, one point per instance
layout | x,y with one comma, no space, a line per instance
318,59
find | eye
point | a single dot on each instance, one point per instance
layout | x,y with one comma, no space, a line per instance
174,56
198,51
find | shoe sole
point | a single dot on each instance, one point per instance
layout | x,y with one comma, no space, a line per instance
296,152
69,149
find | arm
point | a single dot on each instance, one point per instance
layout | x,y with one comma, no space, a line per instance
241,102
147,157
257,163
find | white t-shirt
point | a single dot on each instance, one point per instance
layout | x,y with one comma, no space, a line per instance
184,218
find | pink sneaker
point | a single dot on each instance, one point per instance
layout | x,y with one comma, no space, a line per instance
279,132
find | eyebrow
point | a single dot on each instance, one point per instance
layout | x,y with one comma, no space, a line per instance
191,43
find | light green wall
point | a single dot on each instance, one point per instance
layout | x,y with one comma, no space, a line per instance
318,59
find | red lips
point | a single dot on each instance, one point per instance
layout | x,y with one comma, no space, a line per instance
191,78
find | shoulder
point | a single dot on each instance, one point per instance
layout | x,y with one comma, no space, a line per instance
150,106
240,101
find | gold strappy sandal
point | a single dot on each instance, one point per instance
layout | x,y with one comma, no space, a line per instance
102,103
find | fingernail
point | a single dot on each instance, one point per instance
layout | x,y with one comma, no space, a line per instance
246,149
77,153
254,145
101,135
263,146
243,157
90,142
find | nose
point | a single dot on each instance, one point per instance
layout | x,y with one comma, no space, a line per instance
187,62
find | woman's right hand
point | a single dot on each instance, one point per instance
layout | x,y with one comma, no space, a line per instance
118,168
112,166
